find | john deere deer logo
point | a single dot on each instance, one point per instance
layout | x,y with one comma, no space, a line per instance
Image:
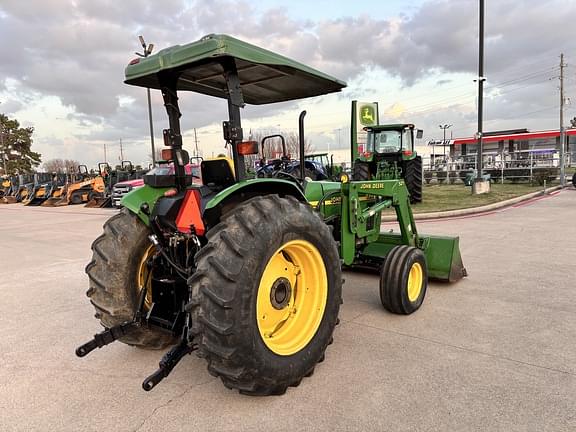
367,115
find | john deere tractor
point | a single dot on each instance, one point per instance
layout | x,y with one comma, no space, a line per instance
247,272
389,154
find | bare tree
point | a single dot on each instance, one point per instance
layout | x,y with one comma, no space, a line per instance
293,145
61,166
273,147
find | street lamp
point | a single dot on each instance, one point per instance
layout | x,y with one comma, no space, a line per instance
4,157
481,79
147,51
444,127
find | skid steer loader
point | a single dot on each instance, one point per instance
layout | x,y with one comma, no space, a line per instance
82,191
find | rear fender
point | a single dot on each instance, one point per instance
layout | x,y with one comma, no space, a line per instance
134,199
242,191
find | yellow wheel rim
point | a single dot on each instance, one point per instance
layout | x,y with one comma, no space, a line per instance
415,282
142,277
291,297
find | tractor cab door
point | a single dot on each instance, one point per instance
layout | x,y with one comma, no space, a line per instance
408,139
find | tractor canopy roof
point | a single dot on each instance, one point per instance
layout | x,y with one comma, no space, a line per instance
265,77
388,127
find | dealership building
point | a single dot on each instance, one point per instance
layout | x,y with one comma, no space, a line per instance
509,145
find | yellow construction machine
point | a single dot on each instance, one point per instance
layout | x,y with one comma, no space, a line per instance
81,191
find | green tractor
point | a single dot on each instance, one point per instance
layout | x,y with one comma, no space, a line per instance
389,154
247,271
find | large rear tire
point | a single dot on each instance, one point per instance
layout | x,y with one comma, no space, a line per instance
266,295
117,269
413,179
360,171
574,179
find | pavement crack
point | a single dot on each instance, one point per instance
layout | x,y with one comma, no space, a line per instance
461,348
169,401
348,320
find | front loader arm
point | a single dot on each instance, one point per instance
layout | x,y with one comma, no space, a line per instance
362,205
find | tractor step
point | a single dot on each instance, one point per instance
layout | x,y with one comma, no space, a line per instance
107,337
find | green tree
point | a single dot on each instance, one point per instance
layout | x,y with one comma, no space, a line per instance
16,155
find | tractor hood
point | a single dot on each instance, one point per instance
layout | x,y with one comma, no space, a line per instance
265,77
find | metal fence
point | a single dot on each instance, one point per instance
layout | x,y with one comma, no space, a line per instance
527,166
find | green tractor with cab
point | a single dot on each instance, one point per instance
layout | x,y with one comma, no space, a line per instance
389,154
247,272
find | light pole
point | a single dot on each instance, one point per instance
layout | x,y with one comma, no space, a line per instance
147,51
444,127
481,80
2,147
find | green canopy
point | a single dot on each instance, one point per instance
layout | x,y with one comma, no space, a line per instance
265,77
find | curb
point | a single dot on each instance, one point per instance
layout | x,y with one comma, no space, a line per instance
477,210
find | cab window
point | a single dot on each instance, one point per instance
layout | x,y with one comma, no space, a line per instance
384,142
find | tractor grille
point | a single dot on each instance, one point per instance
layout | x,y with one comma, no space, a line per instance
118,192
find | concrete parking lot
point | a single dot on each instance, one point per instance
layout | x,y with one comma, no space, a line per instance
493,352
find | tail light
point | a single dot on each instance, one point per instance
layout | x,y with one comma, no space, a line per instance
247,148
170,192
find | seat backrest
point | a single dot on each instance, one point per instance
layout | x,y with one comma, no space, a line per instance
217,172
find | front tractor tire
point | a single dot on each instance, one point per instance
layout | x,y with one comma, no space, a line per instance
403,280
266,295
116,272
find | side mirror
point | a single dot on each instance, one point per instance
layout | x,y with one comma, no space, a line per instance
419,133
181,157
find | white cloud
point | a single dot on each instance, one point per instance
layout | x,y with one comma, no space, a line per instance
68,56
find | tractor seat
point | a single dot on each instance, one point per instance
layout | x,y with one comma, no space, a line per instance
217,174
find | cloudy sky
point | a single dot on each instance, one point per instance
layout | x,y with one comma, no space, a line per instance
62,66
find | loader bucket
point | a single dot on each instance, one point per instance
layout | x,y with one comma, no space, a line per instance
443,258
9,200
51,202
63,201
57,196
99,202
35,201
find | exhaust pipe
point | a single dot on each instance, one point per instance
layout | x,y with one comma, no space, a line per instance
301,142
